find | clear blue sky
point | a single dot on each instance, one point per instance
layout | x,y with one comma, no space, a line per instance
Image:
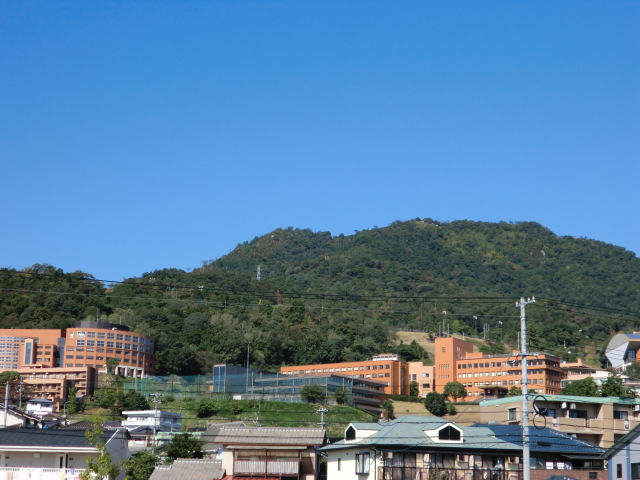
141,135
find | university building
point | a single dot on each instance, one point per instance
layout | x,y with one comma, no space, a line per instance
50,361
486,375
387,369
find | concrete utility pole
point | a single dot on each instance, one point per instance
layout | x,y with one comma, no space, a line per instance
526,465
322,411
156,400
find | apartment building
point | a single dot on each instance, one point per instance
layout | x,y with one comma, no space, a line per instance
387,369
19,346
53,383
599,420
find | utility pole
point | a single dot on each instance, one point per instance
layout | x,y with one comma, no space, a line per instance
156,400
526,465
322,411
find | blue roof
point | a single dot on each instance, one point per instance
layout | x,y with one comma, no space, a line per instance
545,440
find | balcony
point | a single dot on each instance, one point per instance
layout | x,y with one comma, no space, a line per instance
33,472
268,467
442,473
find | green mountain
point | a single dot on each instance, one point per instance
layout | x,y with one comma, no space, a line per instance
324,298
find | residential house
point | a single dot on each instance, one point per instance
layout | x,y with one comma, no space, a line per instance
12,417
269,452
51,454
624,456
599,420
189,469
425,447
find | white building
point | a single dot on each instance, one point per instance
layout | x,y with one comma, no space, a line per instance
161,420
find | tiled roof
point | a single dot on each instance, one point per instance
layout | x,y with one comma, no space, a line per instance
545,440
269,436
189,469
46,438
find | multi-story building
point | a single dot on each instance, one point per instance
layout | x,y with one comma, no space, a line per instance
386,368
92,343
494,375
53,383
19,346
599,420
423,375
88,344
486,375
448,350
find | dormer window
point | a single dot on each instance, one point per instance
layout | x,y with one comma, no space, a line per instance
350,433
449,434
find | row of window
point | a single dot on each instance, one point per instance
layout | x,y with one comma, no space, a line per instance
112,336
509,363
342,369
502,373
102,343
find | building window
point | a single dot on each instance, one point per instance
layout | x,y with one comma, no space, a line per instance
618,470
635,471
512,415
339,464
362,463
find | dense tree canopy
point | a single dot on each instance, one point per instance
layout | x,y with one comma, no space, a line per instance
324,298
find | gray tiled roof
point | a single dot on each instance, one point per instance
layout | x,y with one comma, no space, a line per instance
269,436
30,437
189,469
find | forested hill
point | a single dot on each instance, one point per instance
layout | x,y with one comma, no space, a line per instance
323,298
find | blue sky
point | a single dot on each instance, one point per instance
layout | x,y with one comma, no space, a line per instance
149,134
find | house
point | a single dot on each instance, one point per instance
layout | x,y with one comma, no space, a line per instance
53,454
624,456
40,407
425,447
12,417
161,420
269,452
189,469
599,420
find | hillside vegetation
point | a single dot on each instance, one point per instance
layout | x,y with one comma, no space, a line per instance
324,298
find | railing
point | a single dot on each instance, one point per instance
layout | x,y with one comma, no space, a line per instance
441,473
270,467
42,473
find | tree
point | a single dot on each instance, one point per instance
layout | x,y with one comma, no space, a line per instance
436,404
140,466
133,400
387,409
414,389
112,363
613,386
184,446
514,391
101,467
587,387
454,390
633,370
312,393
341,396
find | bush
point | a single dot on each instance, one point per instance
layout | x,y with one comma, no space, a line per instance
207,408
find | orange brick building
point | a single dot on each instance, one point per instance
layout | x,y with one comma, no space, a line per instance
448,350
385,368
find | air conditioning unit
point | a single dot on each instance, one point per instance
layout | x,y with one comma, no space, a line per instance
564,405
554,422
636,408
573,406
626,425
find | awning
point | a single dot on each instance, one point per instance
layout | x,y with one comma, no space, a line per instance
269,447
